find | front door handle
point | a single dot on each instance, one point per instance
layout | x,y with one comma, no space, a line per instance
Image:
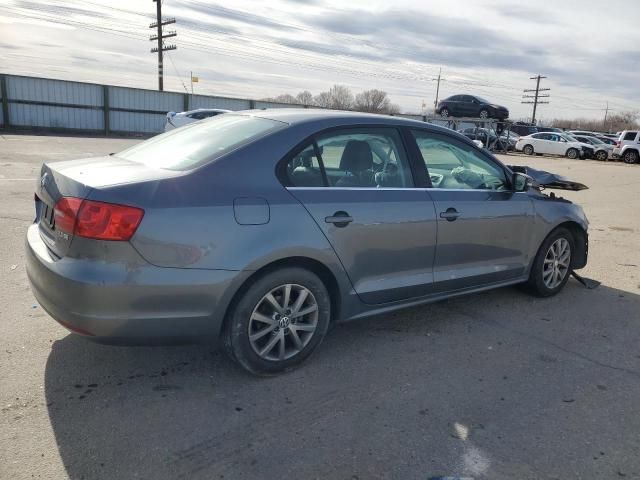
450,214
339,219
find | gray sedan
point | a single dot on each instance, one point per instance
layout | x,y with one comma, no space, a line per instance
261,228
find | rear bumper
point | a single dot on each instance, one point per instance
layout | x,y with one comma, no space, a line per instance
121,303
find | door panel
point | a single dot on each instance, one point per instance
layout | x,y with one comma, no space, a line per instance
388,248
487,242
484,228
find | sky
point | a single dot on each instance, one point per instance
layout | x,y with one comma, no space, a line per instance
588,50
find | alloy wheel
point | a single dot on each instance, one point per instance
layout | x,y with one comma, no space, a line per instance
556,263
283,322
484,114
444,112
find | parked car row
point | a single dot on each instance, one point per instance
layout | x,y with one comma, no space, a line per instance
579,144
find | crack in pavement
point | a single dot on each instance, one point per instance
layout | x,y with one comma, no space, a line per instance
548,342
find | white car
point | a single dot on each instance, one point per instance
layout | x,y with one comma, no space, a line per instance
628,146
603,151
175,120
551,143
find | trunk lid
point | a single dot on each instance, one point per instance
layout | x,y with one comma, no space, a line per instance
78,178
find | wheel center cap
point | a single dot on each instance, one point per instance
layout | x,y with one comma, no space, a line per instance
284,322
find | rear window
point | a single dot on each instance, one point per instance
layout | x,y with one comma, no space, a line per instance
201,142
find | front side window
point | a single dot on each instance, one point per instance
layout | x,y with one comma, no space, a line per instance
352,158
452,164
200,142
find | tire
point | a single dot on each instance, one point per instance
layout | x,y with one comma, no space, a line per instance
573,154
630,156
484,113
601,155
444,112
267,341
528,150
539,278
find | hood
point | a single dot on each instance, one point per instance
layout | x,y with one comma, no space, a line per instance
548,179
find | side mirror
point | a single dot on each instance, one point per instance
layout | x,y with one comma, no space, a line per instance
479,144
522,182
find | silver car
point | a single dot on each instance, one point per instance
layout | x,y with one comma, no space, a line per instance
262,228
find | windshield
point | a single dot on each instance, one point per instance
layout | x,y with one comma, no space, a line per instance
570,138
595,141
200,142
483,100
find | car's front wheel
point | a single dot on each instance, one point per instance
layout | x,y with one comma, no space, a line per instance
484,113
552,265
630,156
601,155
278,322
572,153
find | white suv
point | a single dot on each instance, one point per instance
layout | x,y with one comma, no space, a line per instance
628,146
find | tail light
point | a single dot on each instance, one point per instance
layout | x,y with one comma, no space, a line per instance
97,220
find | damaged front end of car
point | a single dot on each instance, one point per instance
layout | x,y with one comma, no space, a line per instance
541,178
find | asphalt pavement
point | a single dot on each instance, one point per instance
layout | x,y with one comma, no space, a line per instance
497,385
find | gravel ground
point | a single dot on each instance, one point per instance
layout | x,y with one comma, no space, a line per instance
497,385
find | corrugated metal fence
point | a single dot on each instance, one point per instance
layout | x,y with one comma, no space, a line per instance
45,103
31,102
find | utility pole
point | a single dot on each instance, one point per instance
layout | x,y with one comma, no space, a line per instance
159,36
536,96
435,104
606,111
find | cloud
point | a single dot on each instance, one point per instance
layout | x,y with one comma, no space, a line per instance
526,13
60,9
235,15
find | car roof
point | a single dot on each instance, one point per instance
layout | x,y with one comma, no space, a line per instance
297,116
221,110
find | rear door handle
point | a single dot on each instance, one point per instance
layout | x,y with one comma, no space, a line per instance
339,219
450,214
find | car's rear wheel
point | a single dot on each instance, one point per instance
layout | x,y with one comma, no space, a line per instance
601,155
552,265
444,112
278,322
528,149
630,156
484,113
572,153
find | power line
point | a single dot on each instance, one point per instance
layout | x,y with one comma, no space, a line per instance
177,74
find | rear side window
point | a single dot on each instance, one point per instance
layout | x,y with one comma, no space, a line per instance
630,136
201,142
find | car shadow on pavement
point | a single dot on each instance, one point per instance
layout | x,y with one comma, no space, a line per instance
490,385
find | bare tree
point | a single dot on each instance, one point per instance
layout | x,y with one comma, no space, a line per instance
322,100
340,97
304,98
285,98
373,101
614,123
